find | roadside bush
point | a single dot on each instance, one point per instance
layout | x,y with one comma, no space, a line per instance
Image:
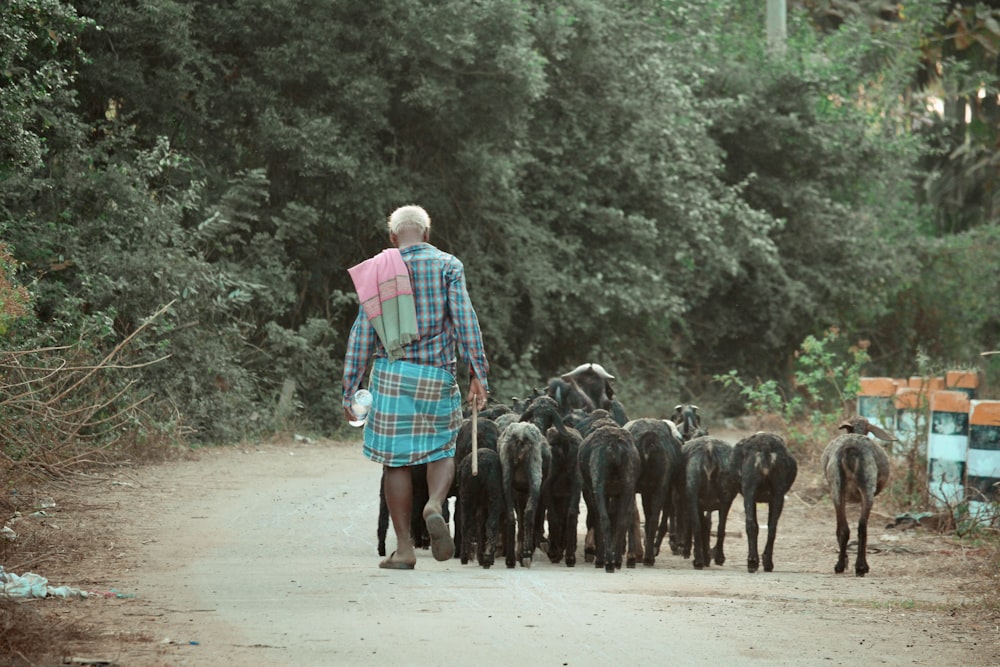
825,380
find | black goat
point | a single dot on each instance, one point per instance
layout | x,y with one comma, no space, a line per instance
709,485
562,495
525,458
481,502
766,471
857,469
487,437
688,421
584,421
659,464
544,413
609,470
617,410
587,387
493,410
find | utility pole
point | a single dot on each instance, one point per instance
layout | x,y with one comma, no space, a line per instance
776,19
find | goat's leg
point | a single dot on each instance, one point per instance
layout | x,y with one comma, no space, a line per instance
489,548
669,524
555,516
696,533
843,534
861,562
773,514
458,523
629,516
528,537
605,538
720,534
590,540
519,532
633,532
675,522
661,531
705,535
462,518
418,529
688,523
753,530
569,530
509,519
483,535
659,513
510,538
620,533
494,513
651,513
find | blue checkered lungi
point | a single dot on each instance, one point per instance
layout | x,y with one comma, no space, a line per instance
415,416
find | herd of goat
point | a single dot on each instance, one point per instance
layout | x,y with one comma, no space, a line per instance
536,458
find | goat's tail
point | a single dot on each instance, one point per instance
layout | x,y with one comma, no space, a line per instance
763,462
711,464
852,467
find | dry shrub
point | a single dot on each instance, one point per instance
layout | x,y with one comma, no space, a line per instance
29,636
64,409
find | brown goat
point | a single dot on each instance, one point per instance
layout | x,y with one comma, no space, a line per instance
856,469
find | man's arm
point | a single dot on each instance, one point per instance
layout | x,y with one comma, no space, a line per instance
470,337
360,346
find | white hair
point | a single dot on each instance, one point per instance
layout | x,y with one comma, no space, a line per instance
409,216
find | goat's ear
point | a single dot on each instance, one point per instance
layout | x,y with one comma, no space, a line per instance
695,408
847,426
558,424
878,432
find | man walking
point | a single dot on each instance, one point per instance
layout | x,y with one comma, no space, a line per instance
415,314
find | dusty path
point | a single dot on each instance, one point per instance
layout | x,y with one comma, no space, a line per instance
266,556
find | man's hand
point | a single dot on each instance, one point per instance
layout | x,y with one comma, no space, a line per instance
349,416
477,394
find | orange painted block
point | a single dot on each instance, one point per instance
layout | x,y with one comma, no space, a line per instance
878,387
928,384
908,398
985,413
950,401
962,379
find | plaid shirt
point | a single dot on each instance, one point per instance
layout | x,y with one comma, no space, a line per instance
445,320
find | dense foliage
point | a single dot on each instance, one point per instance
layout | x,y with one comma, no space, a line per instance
642,184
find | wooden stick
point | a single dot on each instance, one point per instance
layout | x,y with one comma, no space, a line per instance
475,437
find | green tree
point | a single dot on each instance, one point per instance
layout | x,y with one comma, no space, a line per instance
815,139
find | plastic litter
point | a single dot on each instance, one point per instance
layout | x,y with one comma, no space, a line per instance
28,585
31,585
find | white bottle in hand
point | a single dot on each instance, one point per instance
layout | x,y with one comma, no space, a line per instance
360,405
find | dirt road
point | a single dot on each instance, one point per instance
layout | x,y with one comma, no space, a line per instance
265,555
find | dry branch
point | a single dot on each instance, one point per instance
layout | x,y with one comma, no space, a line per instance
62,412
